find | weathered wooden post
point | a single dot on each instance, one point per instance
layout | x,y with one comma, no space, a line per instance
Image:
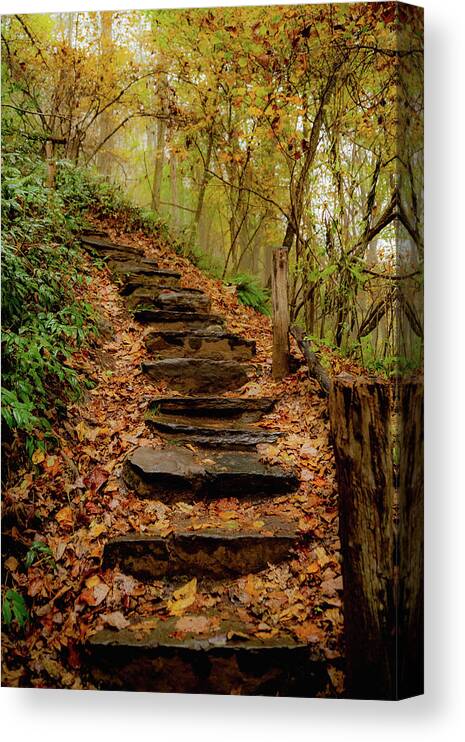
280,303
377,430
51,163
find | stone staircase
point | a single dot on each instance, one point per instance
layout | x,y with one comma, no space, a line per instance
210,453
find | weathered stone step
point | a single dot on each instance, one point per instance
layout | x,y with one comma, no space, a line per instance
94,232
217,346
170,299
246,409
197,374
212,434
176,473
215,552
160,319
159,279
102,244
224,659
143,266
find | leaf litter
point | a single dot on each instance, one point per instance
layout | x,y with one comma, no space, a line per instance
73,500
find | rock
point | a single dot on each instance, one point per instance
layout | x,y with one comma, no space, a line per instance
197,374
213,434
215,345
157,280
209,552
143,267
170,299
246,409
95,232
103,245
160,319
176,473
226,658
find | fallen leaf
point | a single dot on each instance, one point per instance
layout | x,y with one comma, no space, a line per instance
182,598
65,516
38,456
12,564
96,530
116,620
308,632
96,479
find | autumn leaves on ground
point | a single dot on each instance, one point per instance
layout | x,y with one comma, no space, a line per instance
73,500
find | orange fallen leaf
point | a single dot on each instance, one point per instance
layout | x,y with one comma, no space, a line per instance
308,632
65,516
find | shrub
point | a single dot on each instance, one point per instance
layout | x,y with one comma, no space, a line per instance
250,293
43,322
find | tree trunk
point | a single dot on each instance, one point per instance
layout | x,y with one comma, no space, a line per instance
106,125
380,512
159,163
174,192
202,189
279,293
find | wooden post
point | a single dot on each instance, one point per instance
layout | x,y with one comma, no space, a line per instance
279,297
51,164
377,429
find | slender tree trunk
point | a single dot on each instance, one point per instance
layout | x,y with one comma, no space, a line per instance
106,125
174,191
202,189
159,161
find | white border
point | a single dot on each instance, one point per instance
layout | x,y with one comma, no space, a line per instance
64,716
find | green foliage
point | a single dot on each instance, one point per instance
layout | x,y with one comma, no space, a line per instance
14,609
250,293
43,322
206,263
39,551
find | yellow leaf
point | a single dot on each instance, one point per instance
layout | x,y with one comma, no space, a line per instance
38,456
81,430
182,598
97,529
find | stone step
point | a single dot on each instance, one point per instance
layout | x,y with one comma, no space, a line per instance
214,434
215,552
170,299
197,374
245,409
105,246
177,473
143,266
160,319
159,279
154,655
94,232
217,346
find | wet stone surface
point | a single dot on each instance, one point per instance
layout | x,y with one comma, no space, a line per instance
161,319
197,344
197,374
246,409
175,473
210,552
178,300
222,660
215,434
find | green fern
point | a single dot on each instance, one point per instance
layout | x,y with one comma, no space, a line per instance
250,293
